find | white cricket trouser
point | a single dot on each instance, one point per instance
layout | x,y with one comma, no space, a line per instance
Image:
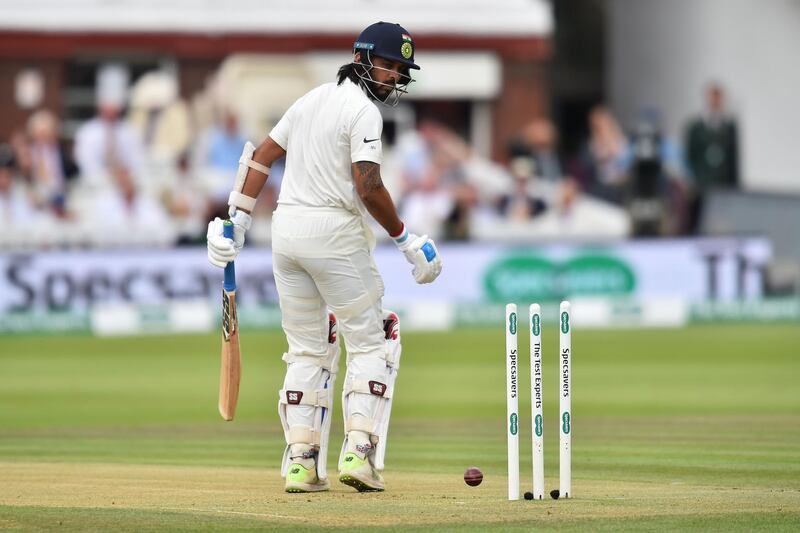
322,259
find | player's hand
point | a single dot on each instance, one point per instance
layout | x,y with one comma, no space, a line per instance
222,250
427,261
421,252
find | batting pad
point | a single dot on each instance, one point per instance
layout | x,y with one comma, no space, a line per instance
382,390
315,394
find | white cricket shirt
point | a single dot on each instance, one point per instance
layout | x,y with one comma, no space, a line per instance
323,133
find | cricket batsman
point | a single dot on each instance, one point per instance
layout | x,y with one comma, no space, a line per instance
325,274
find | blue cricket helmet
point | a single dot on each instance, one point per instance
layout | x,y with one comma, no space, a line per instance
389,41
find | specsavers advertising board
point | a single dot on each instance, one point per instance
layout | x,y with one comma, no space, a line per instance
694,270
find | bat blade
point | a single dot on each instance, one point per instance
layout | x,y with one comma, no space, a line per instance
231,364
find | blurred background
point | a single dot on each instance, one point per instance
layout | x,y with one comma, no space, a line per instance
638,157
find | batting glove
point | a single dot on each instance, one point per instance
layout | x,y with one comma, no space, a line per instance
222,250
421,252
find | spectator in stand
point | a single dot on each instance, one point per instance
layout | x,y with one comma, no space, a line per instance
218,151
538,142
123,213
426,203
187,203
107,145
16,207
601,168
655,178
21,148
51,165
521,204
540,182
444,185
712,149
161,120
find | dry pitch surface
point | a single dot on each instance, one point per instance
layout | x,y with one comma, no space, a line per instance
69,497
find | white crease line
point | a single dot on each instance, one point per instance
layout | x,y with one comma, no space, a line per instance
270,515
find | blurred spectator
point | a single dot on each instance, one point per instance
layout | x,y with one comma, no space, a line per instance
485,179
426,203
21,149
539,179
655,165
521,204
16,206
217,158
123,213
225,143
162,122
187,204
51,165
601,168
712,150
538,142
107,145
445,186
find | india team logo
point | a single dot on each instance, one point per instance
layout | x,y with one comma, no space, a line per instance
406,50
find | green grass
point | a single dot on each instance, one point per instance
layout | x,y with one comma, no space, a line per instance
696,428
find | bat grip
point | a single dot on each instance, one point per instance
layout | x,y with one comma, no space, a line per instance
229,283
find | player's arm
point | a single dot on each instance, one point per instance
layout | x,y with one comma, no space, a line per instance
369,186
254,167
267,153
419,251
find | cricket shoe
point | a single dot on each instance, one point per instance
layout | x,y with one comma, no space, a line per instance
302,479
357,472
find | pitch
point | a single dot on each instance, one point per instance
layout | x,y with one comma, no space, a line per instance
696,428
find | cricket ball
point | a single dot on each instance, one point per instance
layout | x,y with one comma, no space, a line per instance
473,476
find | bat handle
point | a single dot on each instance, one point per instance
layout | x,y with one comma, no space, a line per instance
229,284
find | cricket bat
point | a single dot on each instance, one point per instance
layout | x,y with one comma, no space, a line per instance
231,367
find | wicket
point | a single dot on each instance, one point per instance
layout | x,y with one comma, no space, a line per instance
537,401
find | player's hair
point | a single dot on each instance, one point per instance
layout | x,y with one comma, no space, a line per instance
348,71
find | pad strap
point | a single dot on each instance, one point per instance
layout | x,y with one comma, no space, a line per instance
363,386
325,362
302,435
390,355
314,398
359,423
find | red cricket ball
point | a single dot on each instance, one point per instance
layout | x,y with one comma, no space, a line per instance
473,476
